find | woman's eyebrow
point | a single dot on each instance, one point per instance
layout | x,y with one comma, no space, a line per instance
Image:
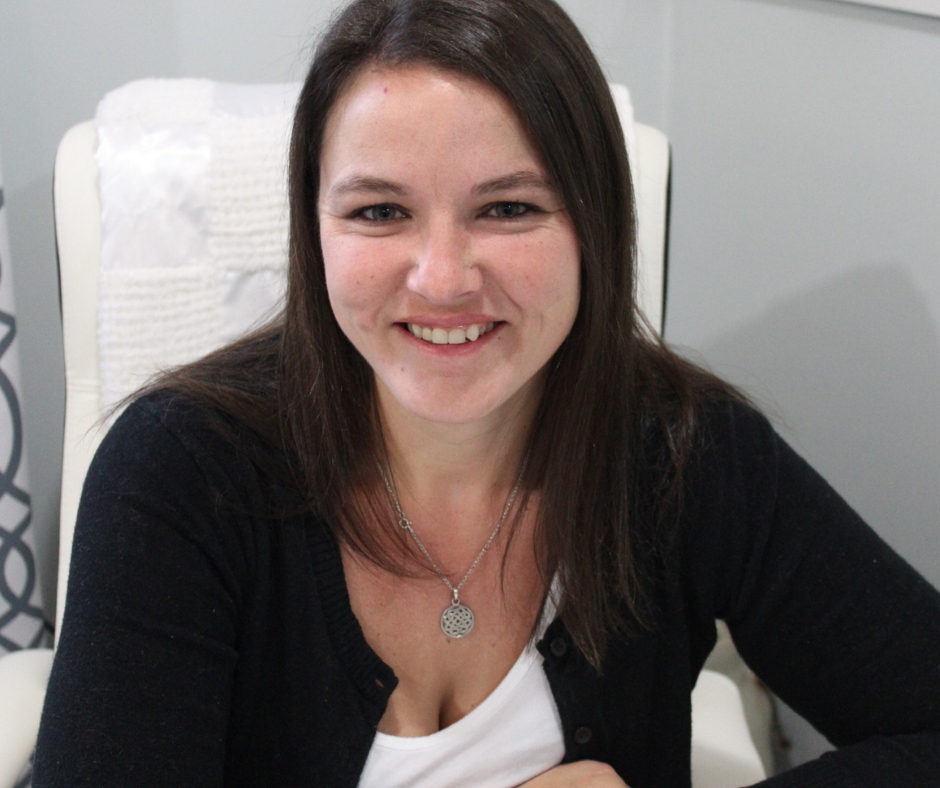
365,184
523,178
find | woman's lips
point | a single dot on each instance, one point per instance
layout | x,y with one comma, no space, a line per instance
458,335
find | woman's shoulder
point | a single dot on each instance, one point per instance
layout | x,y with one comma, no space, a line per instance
733,462
161,421
689,415
164,438
713,434
733,424
159,410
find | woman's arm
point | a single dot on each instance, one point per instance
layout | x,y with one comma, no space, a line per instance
834,621
140,689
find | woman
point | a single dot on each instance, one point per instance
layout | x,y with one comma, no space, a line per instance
318,556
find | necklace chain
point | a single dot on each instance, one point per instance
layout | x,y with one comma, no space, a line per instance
404,522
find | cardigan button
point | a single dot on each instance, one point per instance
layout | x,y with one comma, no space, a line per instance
583,735
559,647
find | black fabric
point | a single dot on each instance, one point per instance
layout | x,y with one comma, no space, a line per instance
207,644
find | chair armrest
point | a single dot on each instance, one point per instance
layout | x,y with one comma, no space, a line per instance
758,703
723,752
23,678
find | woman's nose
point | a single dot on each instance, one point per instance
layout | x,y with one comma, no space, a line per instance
444,270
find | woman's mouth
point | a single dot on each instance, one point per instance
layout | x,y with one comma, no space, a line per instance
450,336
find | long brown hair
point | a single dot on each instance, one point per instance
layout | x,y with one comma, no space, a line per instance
616,421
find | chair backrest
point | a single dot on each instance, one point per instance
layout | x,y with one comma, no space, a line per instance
78,217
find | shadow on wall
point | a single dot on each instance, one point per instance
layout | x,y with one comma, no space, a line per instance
850,372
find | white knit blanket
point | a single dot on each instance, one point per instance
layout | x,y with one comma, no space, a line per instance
193,178
193,181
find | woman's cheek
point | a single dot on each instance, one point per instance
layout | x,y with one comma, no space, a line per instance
361,278
347,266
538,270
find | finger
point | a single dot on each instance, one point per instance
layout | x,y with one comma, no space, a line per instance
581,774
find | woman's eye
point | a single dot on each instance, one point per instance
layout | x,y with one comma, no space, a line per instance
509,210
381,213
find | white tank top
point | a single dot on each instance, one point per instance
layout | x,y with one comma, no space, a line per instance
514,735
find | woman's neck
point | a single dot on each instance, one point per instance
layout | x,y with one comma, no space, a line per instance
456,473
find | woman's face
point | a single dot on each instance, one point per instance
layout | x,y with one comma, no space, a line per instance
451,263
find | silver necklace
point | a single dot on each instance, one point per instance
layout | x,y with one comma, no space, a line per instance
457,619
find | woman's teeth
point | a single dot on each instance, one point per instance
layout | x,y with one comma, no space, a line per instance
453,336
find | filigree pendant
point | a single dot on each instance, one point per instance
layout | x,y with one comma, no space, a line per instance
457,621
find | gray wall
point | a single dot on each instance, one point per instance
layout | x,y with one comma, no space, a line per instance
805,261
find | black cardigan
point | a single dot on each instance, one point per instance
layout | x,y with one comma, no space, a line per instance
207,645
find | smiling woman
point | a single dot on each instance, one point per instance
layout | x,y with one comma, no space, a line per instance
455,517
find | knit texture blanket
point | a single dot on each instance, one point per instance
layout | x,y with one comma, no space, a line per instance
193,178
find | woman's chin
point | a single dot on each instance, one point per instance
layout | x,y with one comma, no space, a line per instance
446,405
441,410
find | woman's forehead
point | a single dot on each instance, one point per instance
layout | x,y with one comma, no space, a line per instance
395,118
411,94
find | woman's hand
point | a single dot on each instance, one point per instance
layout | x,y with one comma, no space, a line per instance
582,774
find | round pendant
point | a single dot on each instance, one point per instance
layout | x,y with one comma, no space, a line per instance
457,621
